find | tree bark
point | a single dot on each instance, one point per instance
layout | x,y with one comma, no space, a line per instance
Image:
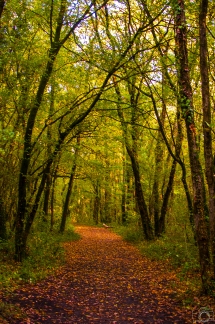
175,91
124,187
146,222
169,187
2,4
69,189
25,162
96,203
47,192
53,198
186,103
132,152
206,108
3,219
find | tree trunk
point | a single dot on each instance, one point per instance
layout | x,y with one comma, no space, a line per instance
47,192
206,108
175,91
53,198
132,152
49,152
163,212
146,222
169,187
124,187
2,4
196,170
69,189
96,203
22,232
155,190
159,152
67,200
3,219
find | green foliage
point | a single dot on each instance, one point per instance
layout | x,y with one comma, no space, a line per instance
179,253
175,6
45,253
132,233
173,247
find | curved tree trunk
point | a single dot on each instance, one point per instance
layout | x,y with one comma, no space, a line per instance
169,188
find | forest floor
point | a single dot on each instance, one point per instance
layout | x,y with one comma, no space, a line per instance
105,280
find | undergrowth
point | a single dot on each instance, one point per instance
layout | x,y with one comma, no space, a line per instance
177,249
45,253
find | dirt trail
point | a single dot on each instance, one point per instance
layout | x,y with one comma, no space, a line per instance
105,281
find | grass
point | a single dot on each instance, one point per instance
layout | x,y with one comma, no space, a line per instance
178,249
46,253
131,233
179,252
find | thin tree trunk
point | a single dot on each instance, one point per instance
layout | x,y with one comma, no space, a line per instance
49,152
169,187
146,222
124,187
159,152
163,212
155,190
96,203
47,192
3,219
132,152
69,189
54,177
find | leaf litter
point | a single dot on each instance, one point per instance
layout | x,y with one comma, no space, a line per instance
104,280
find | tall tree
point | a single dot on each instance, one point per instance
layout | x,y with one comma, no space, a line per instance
206,108
186,103
131,147
58,37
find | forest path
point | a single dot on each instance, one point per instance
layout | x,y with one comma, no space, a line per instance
105,281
